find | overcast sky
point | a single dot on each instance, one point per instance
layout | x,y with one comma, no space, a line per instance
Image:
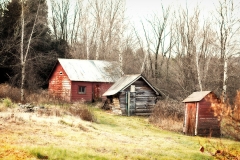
140,9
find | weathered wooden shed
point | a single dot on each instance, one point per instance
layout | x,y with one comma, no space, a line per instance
133,95
87,80
199,116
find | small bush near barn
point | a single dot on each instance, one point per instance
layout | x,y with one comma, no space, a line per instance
83,111
168,114
12,93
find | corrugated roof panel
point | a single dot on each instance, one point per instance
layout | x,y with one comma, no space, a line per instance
196,96
121,84
90,70
125,82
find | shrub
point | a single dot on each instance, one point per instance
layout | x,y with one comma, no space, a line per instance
36,96
7,102
11,92
229,116
168,114
168,108
83,111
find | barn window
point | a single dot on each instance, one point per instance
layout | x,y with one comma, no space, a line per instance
81,89
60,72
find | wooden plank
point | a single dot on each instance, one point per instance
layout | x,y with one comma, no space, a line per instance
145,106
143,110
139,83
143,114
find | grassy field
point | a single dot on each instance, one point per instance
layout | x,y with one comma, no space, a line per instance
29,136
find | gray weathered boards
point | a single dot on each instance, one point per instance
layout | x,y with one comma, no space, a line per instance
136,95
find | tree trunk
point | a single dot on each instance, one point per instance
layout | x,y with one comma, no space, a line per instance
21,57
225,76
198,72
23,65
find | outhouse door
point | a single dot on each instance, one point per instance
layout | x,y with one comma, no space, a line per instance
190,118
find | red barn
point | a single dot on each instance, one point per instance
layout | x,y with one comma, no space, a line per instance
199,116
75,79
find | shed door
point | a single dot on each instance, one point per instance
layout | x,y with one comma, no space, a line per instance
130,103
190,118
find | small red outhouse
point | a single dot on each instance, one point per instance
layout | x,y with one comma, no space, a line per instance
82,80
199,116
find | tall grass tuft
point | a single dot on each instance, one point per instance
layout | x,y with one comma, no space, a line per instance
11,92
7,102
33,97
168,115
83,111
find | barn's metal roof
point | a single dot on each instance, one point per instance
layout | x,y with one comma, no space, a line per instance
125,82
196,96
90,70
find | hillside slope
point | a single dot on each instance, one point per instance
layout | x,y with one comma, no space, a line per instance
29,136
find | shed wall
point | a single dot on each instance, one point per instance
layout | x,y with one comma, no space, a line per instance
59,84
201,120
207,122
142,101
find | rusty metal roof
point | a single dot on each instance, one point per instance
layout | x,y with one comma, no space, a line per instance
125,82
196,96
90,70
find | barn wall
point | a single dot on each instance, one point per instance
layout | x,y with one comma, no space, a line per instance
207,122
59,84
94,90
142,101
103,88
84,97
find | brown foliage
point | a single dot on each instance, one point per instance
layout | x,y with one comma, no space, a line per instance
168,114
82,111
35,97
230,127
229,116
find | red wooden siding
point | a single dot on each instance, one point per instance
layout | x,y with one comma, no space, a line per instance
78,97
207,122
200,119
103,87
94,90
190,118
59,84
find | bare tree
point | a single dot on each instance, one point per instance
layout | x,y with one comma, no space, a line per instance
228,30
25,49
156,39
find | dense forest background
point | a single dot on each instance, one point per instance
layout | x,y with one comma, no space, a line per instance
178,50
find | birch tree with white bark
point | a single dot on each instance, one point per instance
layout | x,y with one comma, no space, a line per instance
228,27
24,50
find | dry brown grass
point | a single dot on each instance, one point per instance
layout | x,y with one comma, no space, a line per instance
168,115
8,91
83,111
52,106
34,97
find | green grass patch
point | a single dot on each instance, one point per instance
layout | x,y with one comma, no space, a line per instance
53,153
112,137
